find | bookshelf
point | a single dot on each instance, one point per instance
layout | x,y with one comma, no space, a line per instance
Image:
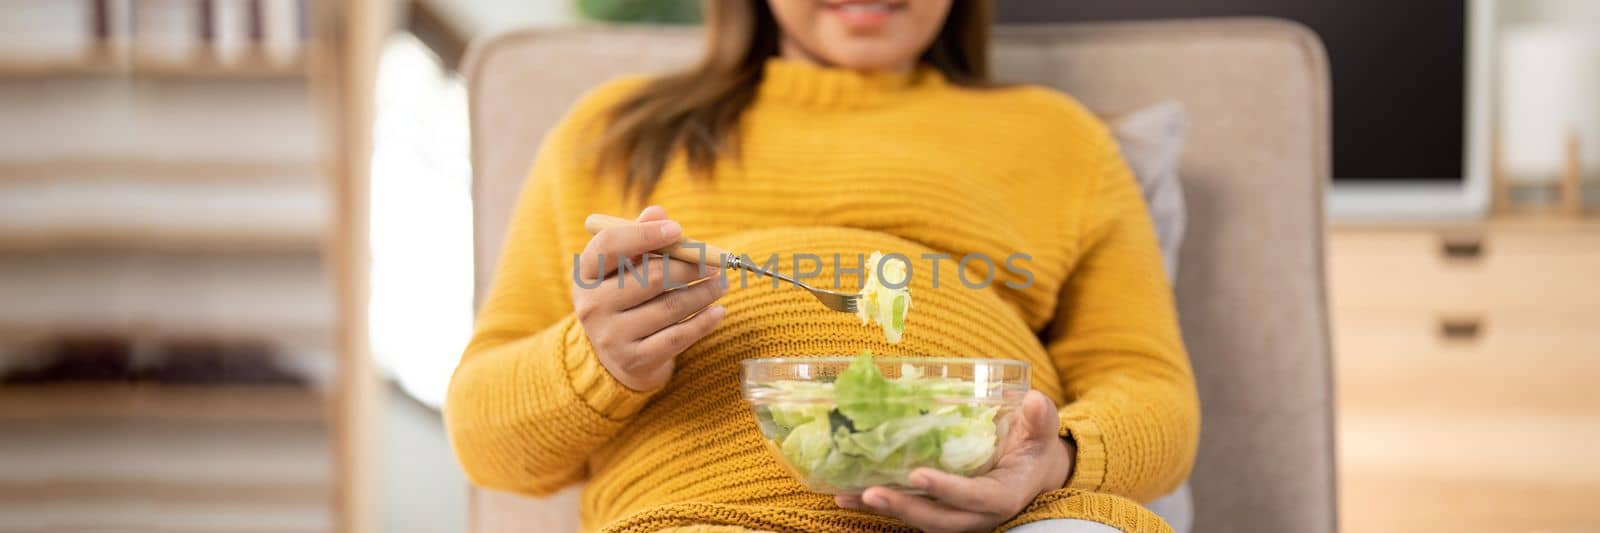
186,171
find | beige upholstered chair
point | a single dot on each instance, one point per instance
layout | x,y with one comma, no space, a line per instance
1251,286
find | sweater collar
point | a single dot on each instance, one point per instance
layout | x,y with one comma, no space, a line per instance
804,83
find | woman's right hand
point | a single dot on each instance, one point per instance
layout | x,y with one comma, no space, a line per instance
638,330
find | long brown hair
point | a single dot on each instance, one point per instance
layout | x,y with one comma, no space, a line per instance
696,111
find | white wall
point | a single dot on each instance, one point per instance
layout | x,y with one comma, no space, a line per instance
1549,72
1577,12
482,18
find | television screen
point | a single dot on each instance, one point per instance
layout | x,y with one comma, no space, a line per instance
1398,71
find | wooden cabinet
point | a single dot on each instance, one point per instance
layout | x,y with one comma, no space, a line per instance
1466,359
1547,269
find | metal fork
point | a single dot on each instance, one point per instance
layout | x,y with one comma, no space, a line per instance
697,252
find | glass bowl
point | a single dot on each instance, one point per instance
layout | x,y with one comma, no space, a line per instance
842,424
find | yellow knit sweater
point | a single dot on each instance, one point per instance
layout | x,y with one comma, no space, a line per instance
838,162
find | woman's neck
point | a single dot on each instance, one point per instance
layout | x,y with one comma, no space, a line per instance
792,50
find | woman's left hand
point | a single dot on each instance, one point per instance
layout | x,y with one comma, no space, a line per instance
1034,459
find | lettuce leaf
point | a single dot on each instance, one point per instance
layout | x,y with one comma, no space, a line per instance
808,445
804,401
882,304
869,399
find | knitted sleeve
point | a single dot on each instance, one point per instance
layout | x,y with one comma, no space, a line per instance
1130,401
529,399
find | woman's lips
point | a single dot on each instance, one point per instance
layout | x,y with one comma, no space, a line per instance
863,16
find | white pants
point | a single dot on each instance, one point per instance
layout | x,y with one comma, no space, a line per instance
1176,508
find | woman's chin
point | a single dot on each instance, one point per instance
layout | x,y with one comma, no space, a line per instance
869,57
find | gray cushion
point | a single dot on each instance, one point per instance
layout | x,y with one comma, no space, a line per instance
1151,139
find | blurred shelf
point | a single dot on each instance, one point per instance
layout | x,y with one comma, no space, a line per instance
45,492
260,296
249,64
258,403
122,213
69,237
223,460
94,169
88,66
294,336
165,506
162,124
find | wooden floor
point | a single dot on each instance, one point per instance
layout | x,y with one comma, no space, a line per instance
1440,438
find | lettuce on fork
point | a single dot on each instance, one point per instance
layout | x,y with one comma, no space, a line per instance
876,429
882,304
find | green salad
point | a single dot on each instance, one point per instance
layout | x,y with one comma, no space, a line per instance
879,303
865,429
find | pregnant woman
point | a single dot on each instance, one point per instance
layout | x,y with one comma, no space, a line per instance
826,127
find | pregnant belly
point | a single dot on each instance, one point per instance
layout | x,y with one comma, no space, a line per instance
949,320
697,440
